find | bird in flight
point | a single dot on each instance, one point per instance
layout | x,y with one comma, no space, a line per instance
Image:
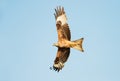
64,40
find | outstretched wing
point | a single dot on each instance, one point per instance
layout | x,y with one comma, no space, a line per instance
61,24
63,33
61,58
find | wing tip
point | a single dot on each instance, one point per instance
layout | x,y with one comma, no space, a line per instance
57,67
59,10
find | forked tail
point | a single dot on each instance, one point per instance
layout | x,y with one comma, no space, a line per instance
78,44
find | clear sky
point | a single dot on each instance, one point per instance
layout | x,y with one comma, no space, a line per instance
27,32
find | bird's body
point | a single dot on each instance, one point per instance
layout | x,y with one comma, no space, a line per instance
64,40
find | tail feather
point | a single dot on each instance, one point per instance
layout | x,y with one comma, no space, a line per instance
78,44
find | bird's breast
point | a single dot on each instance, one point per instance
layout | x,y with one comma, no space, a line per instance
63,44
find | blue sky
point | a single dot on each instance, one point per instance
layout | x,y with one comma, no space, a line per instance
27,32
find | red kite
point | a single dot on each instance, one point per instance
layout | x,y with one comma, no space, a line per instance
64,44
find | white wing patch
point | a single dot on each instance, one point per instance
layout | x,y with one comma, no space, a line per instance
62,18
59,65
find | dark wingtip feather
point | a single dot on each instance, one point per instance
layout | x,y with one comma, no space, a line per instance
56,69
59,11
55,16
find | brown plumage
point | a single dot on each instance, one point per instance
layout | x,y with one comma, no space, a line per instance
64,36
